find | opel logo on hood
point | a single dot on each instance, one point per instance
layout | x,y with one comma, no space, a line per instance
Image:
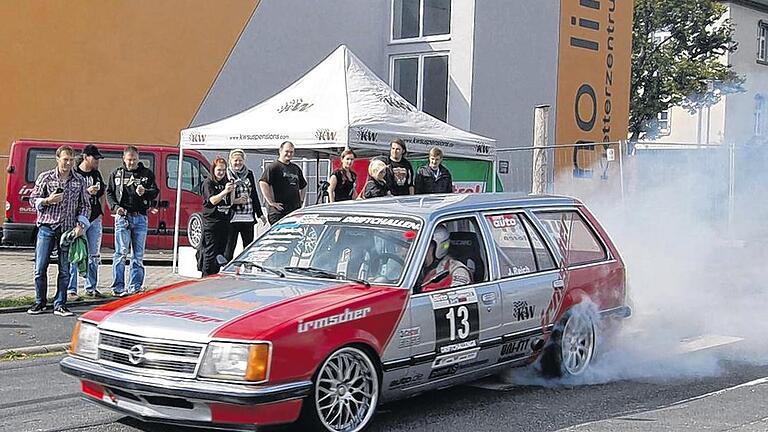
136,354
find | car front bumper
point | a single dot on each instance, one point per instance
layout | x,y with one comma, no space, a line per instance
188,402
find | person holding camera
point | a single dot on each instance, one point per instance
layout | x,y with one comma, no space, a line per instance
88,168
217,214
130,193
342,183
246,206
62,205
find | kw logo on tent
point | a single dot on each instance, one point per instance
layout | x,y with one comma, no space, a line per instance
197,137
367,135
295,105
325,135
482,149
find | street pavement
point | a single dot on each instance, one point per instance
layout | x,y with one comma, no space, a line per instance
19,330
38,397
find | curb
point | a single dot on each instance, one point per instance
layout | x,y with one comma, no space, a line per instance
41,349
16,309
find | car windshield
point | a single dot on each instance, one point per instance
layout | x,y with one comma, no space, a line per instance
364,248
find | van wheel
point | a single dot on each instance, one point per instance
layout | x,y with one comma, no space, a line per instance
195,230
571,347
345,393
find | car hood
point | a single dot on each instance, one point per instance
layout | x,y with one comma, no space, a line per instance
192,312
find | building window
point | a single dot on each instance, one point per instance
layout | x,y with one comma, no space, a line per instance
422,79
412,19
662,120
762,42
759,115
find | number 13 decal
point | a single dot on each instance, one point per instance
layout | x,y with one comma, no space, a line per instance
458,322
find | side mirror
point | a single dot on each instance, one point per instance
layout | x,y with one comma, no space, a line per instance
220,260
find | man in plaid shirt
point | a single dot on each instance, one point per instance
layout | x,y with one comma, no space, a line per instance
62,204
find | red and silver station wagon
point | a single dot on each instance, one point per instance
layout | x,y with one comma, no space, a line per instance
339,308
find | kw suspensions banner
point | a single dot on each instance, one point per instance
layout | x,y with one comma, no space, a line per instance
594,64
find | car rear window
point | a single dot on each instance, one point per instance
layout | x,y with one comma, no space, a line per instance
573,237
39,160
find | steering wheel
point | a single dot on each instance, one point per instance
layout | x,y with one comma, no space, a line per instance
386,256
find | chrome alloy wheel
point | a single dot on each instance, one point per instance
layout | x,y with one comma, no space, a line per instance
346,391
577,344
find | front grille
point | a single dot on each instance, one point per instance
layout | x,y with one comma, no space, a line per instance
150,355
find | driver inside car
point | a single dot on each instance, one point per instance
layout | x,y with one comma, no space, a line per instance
440,269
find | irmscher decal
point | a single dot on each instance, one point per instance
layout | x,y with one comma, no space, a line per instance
368,220
332,320
522,310
191,316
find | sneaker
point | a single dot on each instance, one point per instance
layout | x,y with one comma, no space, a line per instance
123,294
71,297
62,311
95,294
36,309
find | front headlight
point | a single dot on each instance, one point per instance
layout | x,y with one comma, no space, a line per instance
85,340
235,361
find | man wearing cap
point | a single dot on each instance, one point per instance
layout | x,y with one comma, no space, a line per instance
88,168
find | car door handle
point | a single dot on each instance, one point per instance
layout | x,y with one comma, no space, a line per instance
558,284
488,298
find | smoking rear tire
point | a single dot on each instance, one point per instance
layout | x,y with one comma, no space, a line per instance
571,347
195,230
345,393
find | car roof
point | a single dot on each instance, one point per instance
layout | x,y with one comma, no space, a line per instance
433,206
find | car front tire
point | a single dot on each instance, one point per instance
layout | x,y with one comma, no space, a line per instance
345,392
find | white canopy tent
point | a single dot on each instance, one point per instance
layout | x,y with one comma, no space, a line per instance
338,104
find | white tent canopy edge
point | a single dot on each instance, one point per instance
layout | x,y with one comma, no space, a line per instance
338,104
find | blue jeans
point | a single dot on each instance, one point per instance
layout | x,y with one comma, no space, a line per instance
93,235
46,241
130,231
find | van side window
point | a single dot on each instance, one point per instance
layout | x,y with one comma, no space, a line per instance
518,246
39,160
573,237
192,173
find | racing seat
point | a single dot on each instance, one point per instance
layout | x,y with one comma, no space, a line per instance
466,247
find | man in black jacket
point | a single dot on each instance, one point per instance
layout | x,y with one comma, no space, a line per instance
130,193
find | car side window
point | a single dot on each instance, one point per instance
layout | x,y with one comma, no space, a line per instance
192,174
518,245
456,256
573,237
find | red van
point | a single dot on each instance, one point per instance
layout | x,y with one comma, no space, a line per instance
28,158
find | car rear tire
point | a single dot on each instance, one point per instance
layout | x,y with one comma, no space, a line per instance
345,393
571,347
195,230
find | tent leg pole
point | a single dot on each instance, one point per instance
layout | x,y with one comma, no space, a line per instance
493,175
178,211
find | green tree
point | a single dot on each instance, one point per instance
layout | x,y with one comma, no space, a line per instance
677,59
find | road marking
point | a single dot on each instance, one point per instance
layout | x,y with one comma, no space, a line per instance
707,341
758,381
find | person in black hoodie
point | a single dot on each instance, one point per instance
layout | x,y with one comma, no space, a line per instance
130,192
246,205
433,177
399,174
217,213
377,185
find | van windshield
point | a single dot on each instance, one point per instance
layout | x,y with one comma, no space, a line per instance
370,249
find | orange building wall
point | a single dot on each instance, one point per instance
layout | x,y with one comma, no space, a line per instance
119,71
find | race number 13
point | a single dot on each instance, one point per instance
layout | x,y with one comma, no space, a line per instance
456,323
